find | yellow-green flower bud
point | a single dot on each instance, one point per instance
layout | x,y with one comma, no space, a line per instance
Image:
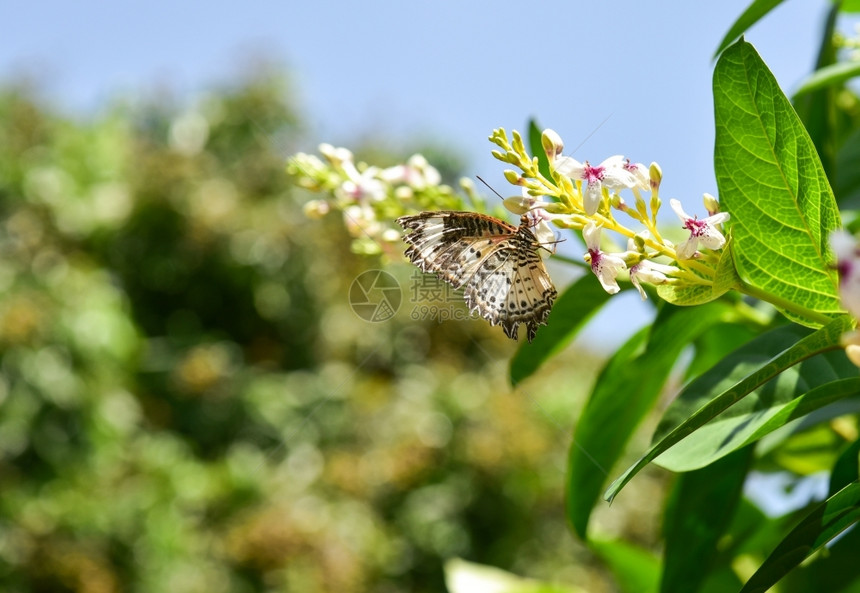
655,173
517,204
512,177
711,204
552,143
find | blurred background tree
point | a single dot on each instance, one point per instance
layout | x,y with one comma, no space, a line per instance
187,402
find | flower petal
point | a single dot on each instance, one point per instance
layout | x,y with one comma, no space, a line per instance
592,197
568,166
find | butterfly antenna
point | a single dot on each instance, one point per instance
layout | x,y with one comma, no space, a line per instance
490,187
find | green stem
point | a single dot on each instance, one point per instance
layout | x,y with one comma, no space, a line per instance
782,303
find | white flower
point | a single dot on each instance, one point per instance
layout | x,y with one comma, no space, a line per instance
605,266
539,223
847,252
640,174
610,173
359,186
646,270
702,231
416,173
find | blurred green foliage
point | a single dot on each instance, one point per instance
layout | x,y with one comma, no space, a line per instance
187,402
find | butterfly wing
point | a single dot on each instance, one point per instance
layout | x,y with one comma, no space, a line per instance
498,265
512,287
452,244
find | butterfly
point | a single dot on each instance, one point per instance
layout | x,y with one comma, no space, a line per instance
497,264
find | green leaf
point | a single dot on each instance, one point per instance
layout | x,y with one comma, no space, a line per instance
686,296
750,16
771,182
635,570
833,571
800,389
571,311
537,148
624,392
828,76
828,520
726,279
715,344
729,432
827,338
699,510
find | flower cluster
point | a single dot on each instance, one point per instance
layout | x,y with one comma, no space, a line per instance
574,195
369,197
582,196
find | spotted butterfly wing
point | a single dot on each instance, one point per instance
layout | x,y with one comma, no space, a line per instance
497,265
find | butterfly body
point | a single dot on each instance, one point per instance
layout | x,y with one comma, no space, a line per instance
497,264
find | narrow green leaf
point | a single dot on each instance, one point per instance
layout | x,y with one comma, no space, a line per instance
828,76
750,16
576,305
699,510
834,571
800,389
772,183
537,148
828,520
635,570
724,435
827,338
624,392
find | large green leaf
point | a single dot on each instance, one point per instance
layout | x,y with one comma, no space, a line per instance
771,182
827,338
699,510
828,520
571,311
753,13
800,389
625,391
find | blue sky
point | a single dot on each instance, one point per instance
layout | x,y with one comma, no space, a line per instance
444,71
448,71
